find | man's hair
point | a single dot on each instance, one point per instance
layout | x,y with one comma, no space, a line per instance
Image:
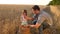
25,11
36,7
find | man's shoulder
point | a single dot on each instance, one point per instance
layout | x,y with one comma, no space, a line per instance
45,13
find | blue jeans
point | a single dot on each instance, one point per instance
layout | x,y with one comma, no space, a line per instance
43,27
40,29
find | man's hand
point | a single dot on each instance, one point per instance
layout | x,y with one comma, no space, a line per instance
32,25
36,25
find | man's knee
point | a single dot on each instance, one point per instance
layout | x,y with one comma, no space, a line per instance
45,25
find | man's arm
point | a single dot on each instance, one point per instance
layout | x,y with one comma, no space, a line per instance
39,22
36,25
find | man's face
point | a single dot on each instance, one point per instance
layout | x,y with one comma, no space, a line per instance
33,11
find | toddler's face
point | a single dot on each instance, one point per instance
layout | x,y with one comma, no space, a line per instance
24,14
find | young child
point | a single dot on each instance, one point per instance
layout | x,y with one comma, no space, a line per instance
24,24
23,19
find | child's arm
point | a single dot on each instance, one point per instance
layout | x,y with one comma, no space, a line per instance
29,18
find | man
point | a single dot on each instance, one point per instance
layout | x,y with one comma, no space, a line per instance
41,19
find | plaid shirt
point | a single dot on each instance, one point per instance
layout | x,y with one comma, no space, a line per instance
43,16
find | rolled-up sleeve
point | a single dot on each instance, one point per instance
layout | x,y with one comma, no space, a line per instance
40,19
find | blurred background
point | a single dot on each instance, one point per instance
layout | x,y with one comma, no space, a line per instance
10,15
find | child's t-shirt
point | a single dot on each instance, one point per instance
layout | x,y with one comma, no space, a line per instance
23,20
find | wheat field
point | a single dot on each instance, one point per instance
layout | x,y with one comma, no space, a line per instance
10,19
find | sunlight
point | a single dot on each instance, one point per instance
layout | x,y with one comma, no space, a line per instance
26,2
